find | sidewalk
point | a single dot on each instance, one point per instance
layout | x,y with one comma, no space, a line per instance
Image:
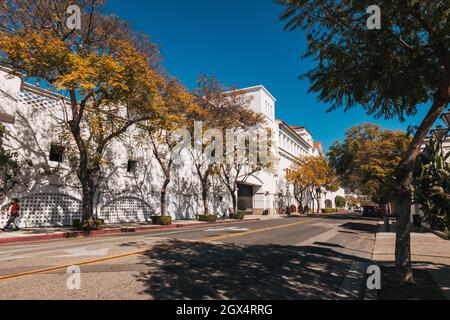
429,252
52,233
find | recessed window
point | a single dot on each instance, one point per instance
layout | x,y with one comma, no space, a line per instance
56,153
132,166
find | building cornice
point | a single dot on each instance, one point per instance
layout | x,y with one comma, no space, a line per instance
254,89
292,131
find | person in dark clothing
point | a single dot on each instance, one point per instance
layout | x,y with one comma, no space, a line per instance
13,210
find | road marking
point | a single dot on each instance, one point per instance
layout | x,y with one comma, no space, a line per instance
137,253
94,241
235,235
10,256
85,263
83,252
227,229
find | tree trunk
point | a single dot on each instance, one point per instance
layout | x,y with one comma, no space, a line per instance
403,193
300,204
403,228
205,193
163,196
234,200
88,191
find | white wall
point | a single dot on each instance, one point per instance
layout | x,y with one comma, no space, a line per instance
50,191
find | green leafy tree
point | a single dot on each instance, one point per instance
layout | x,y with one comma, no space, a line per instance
432,185
388,72
367,159
340,202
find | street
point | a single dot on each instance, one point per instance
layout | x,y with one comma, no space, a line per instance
296,258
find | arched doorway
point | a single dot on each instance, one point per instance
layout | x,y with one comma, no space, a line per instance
328,204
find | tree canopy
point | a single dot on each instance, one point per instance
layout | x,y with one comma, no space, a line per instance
367,159
310,177
388,72
107,73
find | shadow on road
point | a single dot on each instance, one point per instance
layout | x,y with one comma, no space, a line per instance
360,227
187,270
348,216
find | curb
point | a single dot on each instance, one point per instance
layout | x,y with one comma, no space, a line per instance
78,234
440,234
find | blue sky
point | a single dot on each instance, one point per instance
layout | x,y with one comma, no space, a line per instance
242,43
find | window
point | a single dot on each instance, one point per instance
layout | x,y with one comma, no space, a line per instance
56,153
132,166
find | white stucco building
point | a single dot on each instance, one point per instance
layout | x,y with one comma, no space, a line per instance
50,195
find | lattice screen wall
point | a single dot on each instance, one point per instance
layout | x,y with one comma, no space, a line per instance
36,100
126,209
57,209
47,209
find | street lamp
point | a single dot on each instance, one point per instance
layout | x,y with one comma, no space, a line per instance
446,118
440,133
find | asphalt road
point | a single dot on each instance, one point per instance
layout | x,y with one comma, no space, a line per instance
292,258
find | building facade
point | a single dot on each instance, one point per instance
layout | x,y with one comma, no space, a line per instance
50,193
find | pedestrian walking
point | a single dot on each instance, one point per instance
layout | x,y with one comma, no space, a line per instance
13,211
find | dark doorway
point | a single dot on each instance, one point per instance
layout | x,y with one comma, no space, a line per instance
245,197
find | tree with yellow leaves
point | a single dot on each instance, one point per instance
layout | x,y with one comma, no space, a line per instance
222,109
367,159
107,73
311,176
180,109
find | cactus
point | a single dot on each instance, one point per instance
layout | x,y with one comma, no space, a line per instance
431,183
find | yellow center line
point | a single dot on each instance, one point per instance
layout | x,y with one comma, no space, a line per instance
137,253
84,263
235,235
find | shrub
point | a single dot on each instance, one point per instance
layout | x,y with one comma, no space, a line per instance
88,225
162,221
240,215
207,218
329,210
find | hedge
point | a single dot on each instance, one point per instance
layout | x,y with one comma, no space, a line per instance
329,210
88,225
207,218
162,221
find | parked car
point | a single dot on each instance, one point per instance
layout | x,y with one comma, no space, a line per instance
370,211
357,209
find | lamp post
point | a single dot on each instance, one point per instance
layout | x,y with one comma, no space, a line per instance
440,134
